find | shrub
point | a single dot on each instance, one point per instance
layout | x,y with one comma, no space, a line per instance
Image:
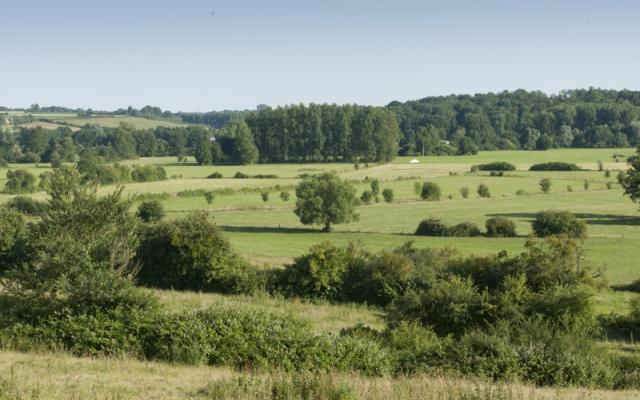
500,227
464,192
209,197
20,181
545,185
607,174
554,166
520,192
586,185
27,205
317,274
549,223
465,229
215,175
265,176
432,227
375,187
387,195
378,279
148,173
417,188
497,166
366,197
190,254
150,211
284,196
497,173
29,158
240,175
609,185
569,188
483,190
264,196
430,191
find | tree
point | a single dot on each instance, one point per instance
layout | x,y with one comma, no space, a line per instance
430,191
150,211
630,180
549,223
202,152
545,185
483,190
20,181
245,150
325,199
387,194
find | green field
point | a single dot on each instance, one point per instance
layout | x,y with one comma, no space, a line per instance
54,120
269,232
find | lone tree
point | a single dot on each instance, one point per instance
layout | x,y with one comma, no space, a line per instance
325,199
630,180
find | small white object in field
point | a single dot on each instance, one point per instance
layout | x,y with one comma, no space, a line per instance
414,161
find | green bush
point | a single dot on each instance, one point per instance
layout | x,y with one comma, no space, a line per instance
240,175
496,173
148,173
464,229
366,197
464,192
264,196
209,197
20,181
318,273
190,254
387,195
430,191
150,211
500,227
483,191
545,185
27,205
549,223
215,175
284,196
554,166
432,227
13,233
497,166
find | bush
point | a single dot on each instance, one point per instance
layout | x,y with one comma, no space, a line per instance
264,196
209,197
387,195
148,173
432,227
215,175
465,229
545,185
3,163
609,185
569,188
284,196
366,197
240,175
430,191
500,227
586,185
483,191
554,166
27,205
417,188
549,223
464,192
29,158
265,176
190,254
497,173
20,181
375,187
150,211
317,274
497,166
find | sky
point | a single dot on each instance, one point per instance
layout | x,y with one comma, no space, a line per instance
197,55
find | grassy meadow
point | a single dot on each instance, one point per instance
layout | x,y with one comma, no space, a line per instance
268,232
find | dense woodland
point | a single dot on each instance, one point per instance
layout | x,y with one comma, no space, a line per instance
461,124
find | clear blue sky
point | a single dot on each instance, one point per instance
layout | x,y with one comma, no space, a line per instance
178,56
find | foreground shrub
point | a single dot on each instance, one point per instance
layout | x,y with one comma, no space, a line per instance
497,166
549,223
554,166
500,227
190,254
150,211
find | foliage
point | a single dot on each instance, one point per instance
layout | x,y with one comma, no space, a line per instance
554,166
284,196
148,173
500,227
26,205
483,191
430,191
432,227
630,180
190,254
497,166
325,199
150,211
215,175
366,197
20,181
545,185
464,192
387,195
549,223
